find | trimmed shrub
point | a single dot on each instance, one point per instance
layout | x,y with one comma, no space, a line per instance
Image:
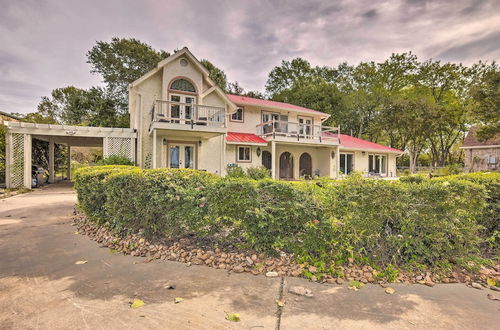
91,187
234,171
320,221
414,178
489,217
167,201
115,160
258,173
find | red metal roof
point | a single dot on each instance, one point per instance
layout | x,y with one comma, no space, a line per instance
244,138
348,141
238,99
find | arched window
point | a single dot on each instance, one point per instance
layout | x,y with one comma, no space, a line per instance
305,165
182,85
286,166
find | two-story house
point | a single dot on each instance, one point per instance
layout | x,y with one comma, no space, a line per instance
184,120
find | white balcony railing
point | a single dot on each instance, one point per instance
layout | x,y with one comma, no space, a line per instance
286,130
188,114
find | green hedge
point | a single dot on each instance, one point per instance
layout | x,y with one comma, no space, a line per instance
489,217
324,221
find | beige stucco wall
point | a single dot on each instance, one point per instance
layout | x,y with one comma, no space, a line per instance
252,117
361,161
141,100
321,158
476,159
255,160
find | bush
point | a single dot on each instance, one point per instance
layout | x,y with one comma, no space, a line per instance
258,173
322,222
171,202
90,184
489,217
114,160
235,171
414,178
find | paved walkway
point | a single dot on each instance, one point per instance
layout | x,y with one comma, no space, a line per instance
41,287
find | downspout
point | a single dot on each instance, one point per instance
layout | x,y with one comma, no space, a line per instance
138,121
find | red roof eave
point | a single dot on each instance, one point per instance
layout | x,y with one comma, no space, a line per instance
245,100
236,137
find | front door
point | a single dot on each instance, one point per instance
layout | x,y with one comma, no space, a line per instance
181,110
286,166
181,155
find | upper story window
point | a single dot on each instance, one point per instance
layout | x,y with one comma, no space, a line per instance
237,115
182,85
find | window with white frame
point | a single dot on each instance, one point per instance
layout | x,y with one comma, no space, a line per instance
346,163
244,154
237,115
377,164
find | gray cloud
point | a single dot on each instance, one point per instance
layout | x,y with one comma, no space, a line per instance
370,13
488,44
44,42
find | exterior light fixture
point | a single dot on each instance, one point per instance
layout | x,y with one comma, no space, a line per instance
258,151
333,154
164,141
199,143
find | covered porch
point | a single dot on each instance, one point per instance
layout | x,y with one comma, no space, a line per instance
19,140
199,149
290,161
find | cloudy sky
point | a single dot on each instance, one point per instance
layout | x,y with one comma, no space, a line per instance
43,43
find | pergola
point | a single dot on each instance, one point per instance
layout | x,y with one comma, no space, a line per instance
19,135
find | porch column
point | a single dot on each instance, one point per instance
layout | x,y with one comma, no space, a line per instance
8,159
104,147
331,162
27,161
337,161
51,161
223,155
273,158
154,162
68,169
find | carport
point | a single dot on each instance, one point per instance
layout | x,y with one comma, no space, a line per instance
19,136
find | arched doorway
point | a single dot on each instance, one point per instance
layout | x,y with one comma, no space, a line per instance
305,165
267,159
286,166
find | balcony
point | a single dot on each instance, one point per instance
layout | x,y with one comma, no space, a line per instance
285,131
172,115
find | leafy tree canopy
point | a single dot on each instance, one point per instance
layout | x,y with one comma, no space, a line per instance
217,75
122,61
487,110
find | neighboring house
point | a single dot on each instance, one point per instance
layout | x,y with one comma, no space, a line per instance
184,120
481,156
4,116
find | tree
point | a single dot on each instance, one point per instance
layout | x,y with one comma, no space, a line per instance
75,106
445,83
288,75
235,88
217,75
120,62
65,106
486,112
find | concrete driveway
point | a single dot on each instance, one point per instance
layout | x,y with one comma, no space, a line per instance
41,287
